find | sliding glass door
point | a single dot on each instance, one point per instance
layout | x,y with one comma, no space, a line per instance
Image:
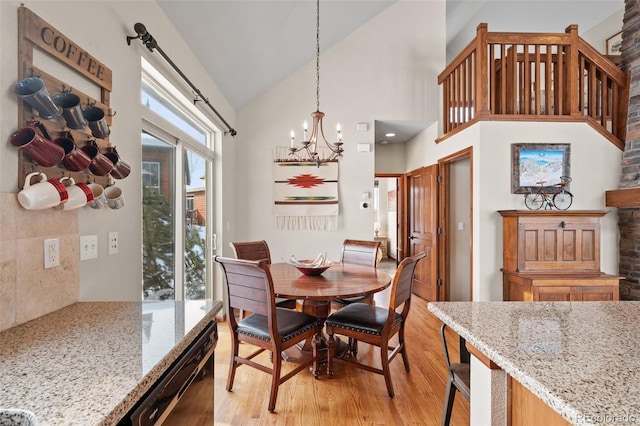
177,163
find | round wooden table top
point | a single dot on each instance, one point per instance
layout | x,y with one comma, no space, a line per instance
340,280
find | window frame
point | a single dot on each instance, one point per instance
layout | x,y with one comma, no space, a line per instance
157,126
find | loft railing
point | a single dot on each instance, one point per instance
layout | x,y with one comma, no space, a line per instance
534,77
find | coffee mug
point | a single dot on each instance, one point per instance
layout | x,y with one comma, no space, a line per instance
98,125
99,165
33,91
71,111
99,198
74,159
115,198
120,169
38,146
42,195
79,194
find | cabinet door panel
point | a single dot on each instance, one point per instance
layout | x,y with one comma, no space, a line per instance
593,294
561,246
552,294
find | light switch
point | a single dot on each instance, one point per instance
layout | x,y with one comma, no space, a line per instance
460,226
88,247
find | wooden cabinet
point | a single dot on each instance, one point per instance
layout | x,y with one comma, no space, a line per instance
550,240
551,286
554,256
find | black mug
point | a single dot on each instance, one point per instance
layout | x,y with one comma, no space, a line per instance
97,123
71,111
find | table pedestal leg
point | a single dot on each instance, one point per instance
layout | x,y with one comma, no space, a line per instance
319,309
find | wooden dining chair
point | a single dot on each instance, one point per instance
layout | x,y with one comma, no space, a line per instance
258,250
376,325
459,379
359,253
269,328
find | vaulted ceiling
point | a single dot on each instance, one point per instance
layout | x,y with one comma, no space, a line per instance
248,46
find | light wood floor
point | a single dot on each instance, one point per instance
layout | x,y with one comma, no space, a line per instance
351,397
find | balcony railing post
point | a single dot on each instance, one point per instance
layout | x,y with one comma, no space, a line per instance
482,65
572,73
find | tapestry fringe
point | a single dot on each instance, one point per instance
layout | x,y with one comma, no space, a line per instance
307,223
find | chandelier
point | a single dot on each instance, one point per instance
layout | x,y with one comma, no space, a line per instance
308,151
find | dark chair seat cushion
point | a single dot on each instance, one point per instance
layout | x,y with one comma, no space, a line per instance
350,300
285,303
290,324
362,317
462,375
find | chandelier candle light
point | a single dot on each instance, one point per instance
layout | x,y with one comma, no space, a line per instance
309,149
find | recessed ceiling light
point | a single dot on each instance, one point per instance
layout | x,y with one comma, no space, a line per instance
384,142
390,135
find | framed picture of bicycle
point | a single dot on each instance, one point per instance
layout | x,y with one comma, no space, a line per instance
538,164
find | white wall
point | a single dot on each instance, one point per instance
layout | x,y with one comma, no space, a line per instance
460,230
595,168
598,35
390,158
101,27
384,70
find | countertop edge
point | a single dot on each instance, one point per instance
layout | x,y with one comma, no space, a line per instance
156,372
539,390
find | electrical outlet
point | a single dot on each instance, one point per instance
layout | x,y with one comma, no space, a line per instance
113,243
88,247
51,253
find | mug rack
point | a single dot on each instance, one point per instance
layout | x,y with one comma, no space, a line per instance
34,32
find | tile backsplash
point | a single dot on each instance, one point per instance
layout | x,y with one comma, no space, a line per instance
27,290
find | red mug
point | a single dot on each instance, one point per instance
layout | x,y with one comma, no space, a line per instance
100,165
38,146
120,169
74,159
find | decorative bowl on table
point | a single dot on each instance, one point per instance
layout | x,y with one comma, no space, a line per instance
311,267
314,270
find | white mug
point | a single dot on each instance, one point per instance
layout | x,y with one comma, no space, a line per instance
99,198
115,198
79,195
42,195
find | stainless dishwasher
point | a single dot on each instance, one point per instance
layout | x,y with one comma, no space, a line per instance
155,406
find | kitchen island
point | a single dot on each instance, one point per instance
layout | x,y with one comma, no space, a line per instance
579,358
90,362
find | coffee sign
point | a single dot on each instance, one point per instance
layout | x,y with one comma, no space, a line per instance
46,37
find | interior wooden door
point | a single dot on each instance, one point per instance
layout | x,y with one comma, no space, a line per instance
422,214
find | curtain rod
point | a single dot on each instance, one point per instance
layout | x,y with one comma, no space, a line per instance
151,44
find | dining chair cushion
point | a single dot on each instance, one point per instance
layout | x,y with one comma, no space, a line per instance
362,317
290,324
350,300
463,373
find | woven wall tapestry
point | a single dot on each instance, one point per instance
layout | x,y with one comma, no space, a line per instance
305,195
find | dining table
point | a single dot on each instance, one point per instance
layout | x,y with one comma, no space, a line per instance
315,293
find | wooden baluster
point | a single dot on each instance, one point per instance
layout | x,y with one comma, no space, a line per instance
481,84
572,71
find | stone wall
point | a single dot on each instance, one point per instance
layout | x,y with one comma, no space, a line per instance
629,218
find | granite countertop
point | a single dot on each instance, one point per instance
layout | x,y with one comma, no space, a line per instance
90,362
580,358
